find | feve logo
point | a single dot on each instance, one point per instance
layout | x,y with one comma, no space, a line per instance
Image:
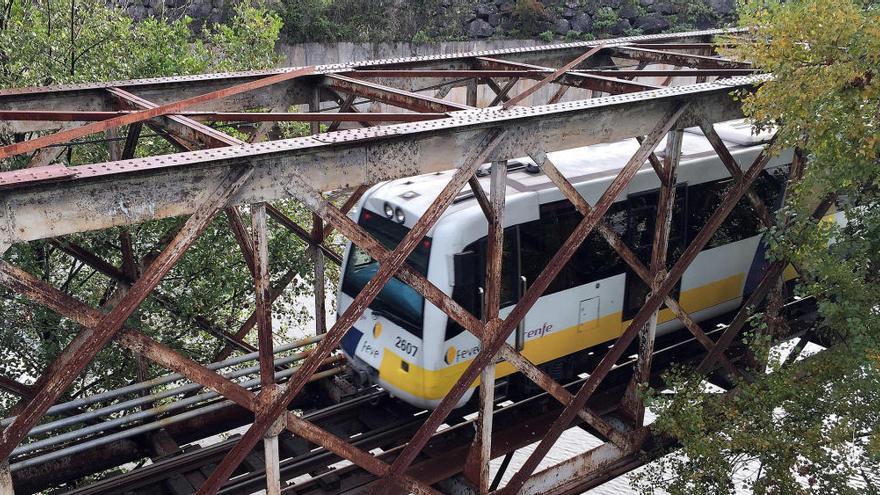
449,358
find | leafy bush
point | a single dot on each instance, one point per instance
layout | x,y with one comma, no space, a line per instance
529,16
546,36
605,19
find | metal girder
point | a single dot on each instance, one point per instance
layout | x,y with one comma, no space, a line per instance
76,356
678,59
579,79
160,187
391,96
552,77
143,115
167,89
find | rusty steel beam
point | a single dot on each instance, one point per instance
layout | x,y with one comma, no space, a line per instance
197,135
143,115
481,450
735,172
656,298
91,116
461,73
632,404
501,93
43,293
74,358
390,96
667,72
245,243
320,280
15,387
300,232
262,298
503,329
579,79
678,59
349,203
51,210
552,77
387,269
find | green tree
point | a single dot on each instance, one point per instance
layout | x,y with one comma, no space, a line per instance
69,41
811,426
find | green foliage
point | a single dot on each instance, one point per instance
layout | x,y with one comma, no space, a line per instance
573,35
605,19
375,21
68,41
420,38
810,427
546,36
690,14
529,17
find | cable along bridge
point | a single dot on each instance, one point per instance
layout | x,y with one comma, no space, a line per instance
311,423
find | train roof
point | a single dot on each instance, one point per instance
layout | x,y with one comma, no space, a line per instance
579,165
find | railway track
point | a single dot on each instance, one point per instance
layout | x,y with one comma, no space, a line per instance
378,423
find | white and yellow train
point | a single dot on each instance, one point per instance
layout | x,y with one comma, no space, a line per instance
412,349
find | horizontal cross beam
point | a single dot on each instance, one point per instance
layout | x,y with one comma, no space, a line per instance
161,187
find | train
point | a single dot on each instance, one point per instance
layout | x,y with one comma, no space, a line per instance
412,349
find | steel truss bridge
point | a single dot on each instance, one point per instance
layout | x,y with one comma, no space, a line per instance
647,87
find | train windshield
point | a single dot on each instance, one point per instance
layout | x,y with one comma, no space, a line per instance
397,301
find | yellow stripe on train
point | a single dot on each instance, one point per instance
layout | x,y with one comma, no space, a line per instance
435,384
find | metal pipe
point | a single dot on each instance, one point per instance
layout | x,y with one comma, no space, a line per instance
155,425
137,387
147,399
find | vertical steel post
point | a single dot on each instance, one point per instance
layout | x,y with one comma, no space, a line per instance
472,93
6,487
263,300
320,282
481,451
273,459
318,237
273,473
633,405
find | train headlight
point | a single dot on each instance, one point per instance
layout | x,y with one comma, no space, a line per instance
399,216
389,210
377,330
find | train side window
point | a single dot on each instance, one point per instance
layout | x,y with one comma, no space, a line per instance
467,295
640,238
594,259
743,221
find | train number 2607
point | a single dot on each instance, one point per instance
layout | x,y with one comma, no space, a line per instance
405,346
